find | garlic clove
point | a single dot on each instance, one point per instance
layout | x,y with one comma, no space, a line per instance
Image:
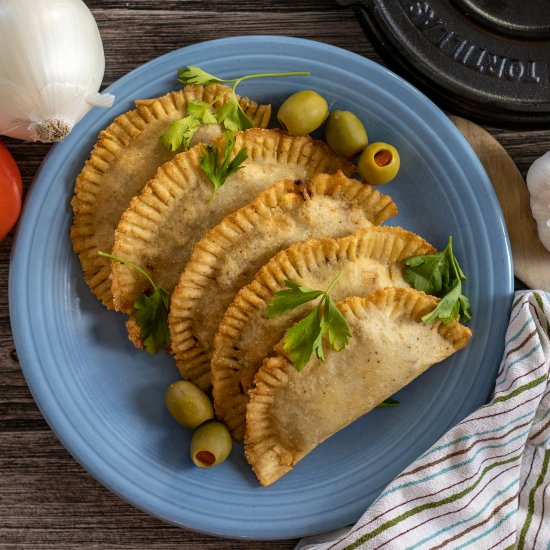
538,183
545,238
539,210
538,175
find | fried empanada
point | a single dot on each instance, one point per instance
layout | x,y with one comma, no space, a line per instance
229,255
291,412
159,229
124,159
371,259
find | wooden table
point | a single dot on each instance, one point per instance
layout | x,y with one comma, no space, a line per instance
46,499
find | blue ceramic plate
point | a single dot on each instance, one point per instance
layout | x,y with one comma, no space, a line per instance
104,399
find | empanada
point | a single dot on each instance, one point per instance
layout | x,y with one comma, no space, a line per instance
230,254
159,229
123,160
371,259
291,412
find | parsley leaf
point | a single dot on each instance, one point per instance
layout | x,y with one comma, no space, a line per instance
201,110
151,311
453,304
218,172
439,274
232,117
152,318
306,336
290,298
427,274
194,75
302,339
179,133
334,324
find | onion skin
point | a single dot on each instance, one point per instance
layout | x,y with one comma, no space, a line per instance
51,68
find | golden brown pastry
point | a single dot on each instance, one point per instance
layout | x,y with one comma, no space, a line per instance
162,224
230,254
371,259
291,412
125,158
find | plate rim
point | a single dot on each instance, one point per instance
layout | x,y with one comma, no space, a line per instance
18,256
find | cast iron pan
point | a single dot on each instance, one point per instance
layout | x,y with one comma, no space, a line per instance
486,60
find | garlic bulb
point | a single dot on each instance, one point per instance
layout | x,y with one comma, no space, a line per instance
51,67
538,183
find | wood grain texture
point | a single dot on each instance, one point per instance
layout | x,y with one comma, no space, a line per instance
531,259
47,501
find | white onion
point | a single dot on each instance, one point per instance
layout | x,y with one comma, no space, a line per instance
538,183
51,67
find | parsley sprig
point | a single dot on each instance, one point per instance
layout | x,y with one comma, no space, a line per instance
181,131
230,115
217,171
439,274
151,311
306,336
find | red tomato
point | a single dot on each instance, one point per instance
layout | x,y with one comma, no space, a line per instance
11,191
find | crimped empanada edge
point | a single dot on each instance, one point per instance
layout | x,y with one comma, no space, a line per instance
144,212
270,457
171,179
111,142
192,356
299,150
291,263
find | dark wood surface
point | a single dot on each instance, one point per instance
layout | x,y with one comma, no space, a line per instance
46,499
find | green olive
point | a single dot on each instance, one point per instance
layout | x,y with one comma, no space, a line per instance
378,163
189,405
345,134
302,112
210,444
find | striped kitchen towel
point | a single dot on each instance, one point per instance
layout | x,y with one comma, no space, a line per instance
486,483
